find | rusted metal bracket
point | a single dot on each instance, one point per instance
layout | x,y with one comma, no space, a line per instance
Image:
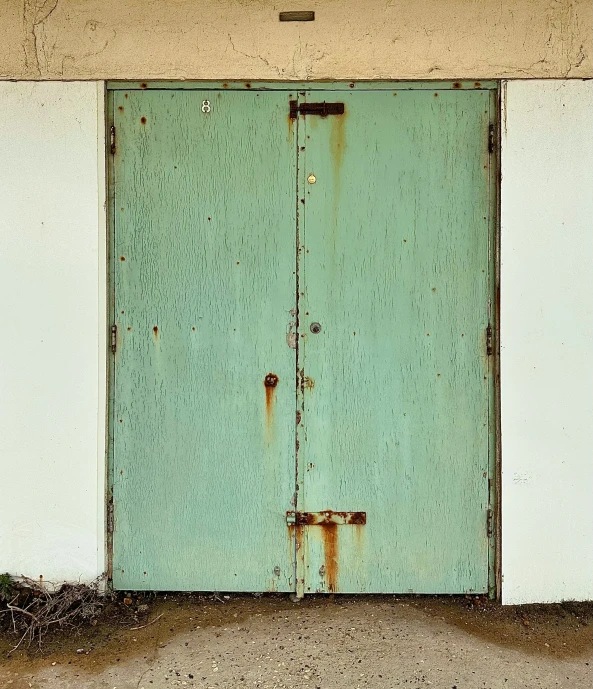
113,339
325,517
489,341
322,109
491,141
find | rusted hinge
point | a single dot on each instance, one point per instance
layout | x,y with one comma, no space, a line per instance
490,523
489,341
322,109
324,518
112,137
113,338
491,139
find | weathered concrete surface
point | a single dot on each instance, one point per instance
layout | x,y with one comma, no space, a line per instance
349,643
243,39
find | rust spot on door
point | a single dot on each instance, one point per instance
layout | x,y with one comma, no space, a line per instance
270,383
143,119
457,85
143,85
155,330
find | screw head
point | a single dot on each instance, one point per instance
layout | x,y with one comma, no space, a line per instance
315,328
311,179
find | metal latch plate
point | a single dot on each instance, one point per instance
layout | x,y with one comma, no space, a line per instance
322,109
326,517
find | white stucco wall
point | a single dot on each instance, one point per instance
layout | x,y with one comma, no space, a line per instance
52,380
547,341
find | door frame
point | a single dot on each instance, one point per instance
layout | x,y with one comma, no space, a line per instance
494,526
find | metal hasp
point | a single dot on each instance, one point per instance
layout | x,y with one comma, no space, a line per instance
324,518
322,109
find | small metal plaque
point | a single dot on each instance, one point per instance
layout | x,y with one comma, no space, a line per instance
297,16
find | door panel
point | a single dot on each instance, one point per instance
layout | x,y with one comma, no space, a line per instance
204,274
394,265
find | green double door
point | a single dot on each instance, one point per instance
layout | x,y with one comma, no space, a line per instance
302,385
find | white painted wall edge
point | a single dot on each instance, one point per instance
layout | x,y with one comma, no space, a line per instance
546,341
52,389
103,324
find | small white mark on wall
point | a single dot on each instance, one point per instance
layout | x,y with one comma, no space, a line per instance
547,341
52,373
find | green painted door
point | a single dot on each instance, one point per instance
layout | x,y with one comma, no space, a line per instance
336,269
204,273
394,305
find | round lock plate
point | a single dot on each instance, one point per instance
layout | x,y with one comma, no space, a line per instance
315,328
311,179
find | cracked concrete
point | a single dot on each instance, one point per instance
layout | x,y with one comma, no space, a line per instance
234,39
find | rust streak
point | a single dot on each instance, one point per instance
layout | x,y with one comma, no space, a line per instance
270,383
337,141
330,556
155,330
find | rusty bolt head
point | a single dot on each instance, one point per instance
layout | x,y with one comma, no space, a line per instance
271,380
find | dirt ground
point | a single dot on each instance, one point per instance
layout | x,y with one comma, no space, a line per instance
320,643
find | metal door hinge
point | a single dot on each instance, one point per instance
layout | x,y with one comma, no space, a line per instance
322,109
490,523
491,139
489,341
113,338
112,137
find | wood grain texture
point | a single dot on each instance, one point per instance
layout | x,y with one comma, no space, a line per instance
204,286
395,267
394,391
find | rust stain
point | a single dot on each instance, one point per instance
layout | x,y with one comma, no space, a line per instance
330,556
143,119
155,330
457,85
225,86
125,95
121,108
143,85
337,140
308,383
247,85
477,84
270,383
